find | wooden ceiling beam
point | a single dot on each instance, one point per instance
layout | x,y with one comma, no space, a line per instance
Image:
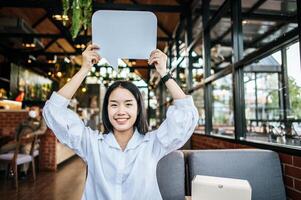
80,38
64,31
48,4
39,21
160,25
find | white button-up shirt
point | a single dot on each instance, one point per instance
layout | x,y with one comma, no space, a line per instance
114,174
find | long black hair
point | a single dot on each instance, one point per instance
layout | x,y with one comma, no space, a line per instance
141,121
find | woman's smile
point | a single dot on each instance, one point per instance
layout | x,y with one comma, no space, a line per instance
121,121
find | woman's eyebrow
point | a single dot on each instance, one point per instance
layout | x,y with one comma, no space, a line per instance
116,101
129,100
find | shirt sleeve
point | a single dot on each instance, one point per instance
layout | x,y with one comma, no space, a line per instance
66,125
177,128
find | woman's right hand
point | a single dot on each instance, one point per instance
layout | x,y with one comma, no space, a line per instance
90,57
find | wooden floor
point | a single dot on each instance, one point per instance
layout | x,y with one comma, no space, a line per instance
67,183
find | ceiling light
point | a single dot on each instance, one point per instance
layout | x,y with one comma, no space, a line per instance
80,46
60,17
84,89
59,74
28,43
51,59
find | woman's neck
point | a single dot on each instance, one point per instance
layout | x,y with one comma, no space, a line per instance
123,137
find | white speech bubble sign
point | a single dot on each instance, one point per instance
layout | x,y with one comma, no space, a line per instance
124,34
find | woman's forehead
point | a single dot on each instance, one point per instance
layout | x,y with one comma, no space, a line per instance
121,94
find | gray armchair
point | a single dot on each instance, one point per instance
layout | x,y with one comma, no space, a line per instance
171,176
260,167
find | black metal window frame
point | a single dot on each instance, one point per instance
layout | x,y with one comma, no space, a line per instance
239,62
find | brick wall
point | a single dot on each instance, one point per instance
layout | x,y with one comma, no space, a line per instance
48,151
291,165
9,120
292,174
203,142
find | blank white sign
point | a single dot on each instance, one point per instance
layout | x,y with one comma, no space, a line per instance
124,34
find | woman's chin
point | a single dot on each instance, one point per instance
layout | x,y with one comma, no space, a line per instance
123,128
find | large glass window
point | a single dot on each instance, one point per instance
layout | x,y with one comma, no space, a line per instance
198,98
273,98
222,107
294,87
262,100
262,96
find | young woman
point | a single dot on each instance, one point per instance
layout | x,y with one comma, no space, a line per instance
121,161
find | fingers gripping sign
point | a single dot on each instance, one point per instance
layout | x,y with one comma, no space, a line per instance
159,59
90,56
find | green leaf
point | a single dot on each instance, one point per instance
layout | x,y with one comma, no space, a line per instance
87,13
66,8
76,18
81,14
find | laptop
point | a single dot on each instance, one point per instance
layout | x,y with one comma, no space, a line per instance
218,188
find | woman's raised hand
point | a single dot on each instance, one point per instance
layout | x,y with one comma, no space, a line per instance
90,57
158,58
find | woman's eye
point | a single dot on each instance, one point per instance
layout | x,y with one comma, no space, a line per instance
113,105
129,104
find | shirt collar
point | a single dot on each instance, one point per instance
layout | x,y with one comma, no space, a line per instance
100,136
134,142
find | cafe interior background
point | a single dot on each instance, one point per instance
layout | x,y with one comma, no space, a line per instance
240,60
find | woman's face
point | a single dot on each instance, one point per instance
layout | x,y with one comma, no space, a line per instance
122,109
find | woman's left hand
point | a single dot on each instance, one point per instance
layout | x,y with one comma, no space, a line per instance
158,58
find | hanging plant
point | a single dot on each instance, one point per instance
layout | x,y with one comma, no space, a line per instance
87,13
81,14
65,11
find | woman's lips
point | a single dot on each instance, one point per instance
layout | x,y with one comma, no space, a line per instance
121,120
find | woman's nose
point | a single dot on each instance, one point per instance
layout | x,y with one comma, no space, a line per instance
121,110
120,113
